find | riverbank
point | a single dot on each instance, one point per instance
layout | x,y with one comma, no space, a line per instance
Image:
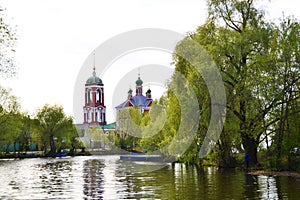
274,173
40,154
78,152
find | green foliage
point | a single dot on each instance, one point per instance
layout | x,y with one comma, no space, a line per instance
54,129
287,66
15,127
248,53
129,128
129,121
10,118
152,125
259,65
95,138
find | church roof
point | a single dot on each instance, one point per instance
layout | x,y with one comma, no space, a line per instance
109,126
94,80
136,101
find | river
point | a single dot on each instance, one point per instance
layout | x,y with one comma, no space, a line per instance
107,177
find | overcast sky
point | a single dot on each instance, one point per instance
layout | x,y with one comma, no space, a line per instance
55,37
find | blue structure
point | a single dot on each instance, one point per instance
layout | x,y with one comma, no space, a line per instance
139,100
10,147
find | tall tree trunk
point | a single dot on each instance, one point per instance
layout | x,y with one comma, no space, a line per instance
52,147
280,133
287,123
249,142
225,157
250,145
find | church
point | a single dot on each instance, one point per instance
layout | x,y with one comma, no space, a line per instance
143,103
94,109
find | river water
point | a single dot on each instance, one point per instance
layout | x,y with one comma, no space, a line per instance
107,177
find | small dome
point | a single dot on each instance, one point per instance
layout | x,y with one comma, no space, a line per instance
139,82
130,91
94,80
148,91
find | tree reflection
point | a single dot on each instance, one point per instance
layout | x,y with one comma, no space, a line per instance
55,176
106,177
251,187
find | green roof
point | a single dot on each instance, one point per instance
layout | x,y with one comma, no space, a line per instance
94,80
139,82
110,126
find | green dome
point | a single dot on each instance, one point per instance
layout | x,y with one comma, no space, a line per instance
139,82
130,91
94,80
148,91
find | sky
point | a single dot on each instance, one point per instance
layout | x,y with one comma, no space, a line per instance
57,38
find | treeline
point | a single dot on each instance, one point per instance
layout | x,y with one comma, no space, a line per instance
50,130
259,63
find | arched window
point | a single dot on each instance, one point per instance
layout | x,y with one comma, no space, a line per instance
89,116
99,116
98,96
89,96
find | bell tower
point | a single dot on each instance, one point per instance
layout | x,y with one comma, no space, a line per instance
94,109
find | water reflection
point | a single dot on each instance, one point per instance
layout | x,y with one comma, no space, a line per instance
93,179
107,177
54,177
267,187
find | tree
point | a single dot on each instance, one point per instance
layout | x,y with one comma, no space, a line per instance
54,128
9,118
240,47
288,62
25,136
8,105
18,132
7,41
151,127
252,56
129,129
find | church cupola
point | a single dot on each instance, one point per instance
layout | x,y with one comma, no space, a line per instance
148,94
94,79
130,94
139,86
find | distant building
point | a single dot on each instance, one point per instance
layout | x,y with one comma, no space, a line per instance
94,110
143,103
94,113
